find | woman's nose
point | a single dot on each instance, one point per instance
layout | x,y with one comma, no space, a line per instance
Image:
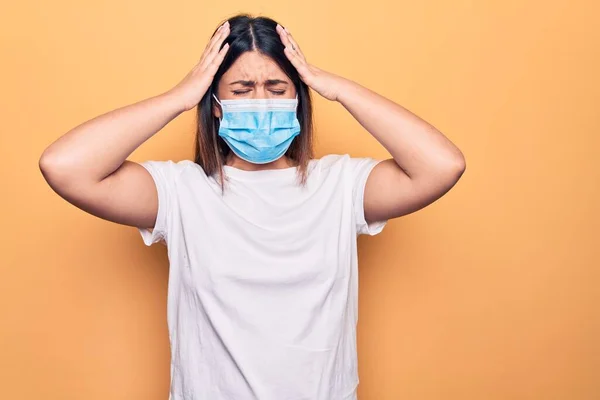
260,93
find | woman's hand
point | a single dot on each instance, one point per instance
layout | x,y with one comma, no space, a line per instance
325,83
195,84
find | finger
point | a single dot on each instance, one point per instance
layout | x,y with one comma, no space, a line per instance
220,35
218,39
211,42
294,57
283,36
288,41
215,50
216,62
296,61
295,46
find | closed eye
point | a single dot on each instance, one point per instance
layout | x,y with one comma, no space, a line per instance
275,92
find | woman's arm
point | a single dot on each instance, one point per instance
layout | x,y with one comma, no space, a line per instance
88,166
425,163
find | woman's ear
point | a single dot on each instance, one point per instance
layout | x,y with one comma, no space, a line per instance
216,109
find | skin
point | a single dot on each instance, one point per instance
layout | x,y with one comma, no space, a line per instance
254,76
424,165
88,165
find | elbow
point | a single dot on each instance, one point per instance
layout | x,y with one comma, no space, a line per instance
47,164
53,169
49,170
457,168
455,161
454,166
44,163
460,164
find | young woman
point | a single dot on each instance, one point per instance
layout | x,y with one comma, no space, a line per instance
261,237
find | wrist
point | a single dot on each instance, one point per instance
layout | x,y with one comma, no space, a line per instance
173,101
344,88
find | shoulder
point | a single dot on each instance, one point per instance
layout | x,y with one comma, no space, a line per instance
169,168
174,175
331,161
344,163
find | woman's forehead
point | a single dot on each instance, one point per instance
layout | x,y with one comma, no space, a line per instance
253,66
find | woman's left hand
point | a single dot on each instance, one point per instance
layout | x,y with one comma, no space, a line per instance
325,83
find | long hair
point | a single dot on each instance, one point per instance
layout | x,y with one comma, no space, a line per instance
249,33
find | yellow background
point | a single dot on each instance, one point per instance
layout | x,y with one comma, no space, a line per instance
489,293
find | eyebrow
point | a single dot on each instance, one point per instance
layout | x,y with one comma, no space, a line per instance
268,82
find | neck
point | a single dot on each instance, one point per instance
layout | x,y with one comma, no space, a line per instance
236,162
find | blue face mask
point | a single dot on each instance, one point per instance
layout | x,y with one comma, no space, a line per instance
259,130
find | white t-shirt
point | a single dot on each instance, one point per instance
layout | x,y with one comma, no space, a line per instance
263,281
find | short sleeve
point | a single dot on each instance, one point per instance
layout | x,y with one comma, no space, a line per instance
360,170
163,174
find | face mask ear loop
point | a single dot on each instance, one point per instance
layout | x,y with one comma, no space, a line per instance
217,100
220,119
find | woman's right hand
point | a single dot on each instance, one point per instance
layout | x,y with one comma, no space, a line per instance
195,84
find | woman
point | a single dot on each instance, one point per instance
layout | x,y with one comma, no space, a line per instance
262,300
